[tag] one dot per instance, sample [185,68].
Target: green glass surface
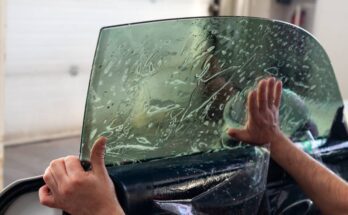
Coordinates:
[172,87]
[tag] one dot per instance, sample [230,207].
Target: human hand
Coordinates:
[262,124]
[78,192]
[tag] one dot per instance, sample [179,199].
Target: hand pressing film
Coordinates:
[263,114]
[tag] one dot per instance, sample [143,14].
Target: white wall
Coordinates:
[50,41]
[2,71]
[331,29]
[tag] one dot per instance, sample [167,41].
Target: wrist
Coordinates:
[111,209]
[278,138]
[119,211]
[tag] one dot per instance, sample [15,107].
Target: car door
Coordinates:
[165,92]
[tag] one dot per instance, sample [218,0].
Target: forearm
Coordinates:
[327,190]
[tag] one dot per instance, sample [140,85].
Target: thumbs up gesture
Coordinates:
[78,192]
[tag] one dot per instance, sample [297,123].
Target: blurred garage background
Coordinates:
[47,48]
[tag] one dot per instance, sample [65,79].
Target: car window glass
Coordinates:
[172,88]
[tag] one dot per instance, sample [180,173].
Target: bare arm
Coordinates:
[327,190]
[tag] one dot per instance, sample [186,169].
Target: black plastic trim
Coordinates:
[18,188]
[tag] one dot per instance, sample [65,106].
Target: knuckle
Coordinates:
[43,200]
[46,176]
[76,181]
[55,162]
[52,162]
[70,158]
[66,191]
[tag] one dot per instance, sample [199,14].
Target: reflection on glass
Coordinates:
[172,88]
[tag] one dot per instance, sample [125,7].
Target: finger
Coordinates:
[73,165]
[261,95]
[45,196]
[278,94]
[49,180]
[240,134]
[98,155]
[58,170]
[270,91]
[253,110]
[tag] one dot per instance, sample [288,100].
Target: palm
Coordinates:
[263,110]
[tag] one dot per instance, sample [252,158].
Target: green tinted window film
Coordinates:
[172,87]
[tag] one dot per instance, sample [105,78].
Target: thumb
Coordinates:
[240,134]
[98,155]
